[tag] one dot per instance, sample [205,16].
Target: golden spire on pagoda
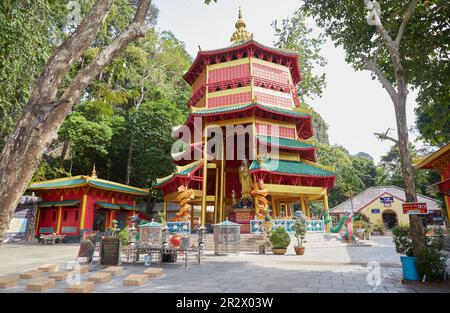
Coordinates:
[94,173]
[241,34]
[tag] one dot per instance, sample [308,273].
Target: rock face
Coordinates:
[135,280]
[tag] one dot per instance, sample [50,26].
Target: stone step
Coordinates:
[41,284]
[30,274]
[114,270]
[59,276]
[154,272]
[48,268]
[9,281]
[135,280]
[83,287]
[100,277]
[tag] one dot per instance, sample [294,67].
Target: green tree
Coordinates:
[394,45]
[29,32]
[53,96]
[294,34]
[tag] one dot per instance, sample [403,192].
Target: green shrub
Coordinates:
[379,228]
[401,236]
[280,238]
[300,231]
[432,264]
[124,236]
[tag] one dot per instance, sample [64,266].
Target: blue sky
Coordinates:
[353,105]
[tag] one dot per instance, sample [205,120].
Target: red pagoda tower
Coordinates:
[251,89]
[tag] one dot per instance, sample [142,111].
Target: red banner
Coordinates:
[415,208]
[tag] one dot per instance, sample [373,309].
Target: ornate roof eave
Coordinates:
[427,161]
[83,180]
[284,57]
[185,172]
[251,107]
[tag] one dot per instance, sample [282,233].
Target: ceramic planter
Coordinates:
[299,250]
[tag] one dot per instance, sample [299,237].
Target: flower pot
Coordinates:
[299,250]
[409,268]
[279,251]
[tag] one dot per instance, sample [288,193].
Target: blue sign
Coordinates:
[386,199]
[375,211]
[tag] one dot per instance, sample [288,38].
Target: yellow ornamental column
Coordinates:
[216,196]
[165,209]
[83,210]
[205,176]
[36,225]
[58,227]
[325,209]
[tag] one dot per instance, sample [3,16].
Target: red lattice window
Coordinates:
[271,73]
[265,98]
[244,97]
[229,73]
[267,130]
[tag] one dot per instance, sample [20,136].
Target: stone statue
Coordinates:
[261,203]
[246,181]
[233,199]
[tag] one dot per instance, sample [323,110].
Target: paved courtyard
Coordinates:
[333,267]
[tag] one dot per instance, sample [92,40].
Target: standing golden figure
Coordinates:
[245,180]
[185,196]
[261,203]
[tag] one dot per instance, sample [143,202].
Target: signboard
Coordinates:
[87,245]
[387,199]
[17,225]
[110,252]
[415,208]
[375,211]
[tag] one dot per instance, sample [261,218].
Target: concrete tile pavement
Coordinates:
[319,272]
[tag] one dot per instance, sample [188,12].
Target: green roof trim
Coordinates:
[77,181]
[115,187]
[289,167]
[187,170]
[128,207]
[232,108]
[107,205]
[285,142]
[58,203]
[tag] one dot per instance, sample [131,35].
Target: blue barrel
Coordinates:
[409,268]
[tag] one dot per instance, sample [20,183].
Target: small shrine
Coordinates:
[73,205]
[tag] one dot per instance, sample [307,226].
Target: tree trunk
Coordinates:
[64,153]
[130,156]
[417,232]
[38,125]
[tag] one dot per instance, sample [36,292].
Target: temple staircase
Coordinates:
[250,242]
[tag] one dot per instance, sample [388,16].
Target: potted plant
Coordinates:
[367,230]
[280,240]
[300,231]
[403,245]
[378,229]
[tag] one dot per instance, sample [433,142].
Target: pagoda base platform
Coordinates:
[243,218]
